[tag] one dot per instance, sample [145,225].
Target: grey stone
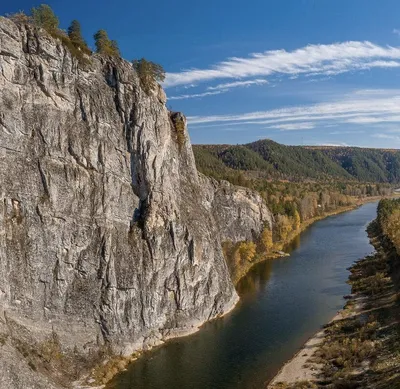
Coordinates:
[108,235]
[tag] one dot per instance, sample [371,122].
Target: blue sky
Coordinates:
[295,71]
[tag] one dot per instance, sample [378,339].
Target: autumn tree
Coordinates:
[247,250]
[104,45]
[266,240]
[44,17]
[283,226]
[149,74]
[392,228]
[296,220]
[308,206]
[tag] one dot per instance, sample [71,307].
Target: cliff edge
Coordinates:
[109,238]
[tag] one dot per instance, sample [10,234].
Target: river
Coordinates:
[283,303]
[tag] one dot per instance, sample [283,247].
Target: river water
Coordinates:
[283,303]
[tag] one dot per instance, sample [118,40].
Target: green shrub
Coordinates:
[44,17]
[104,45]
[75,36]
[20,17]
[149,74]
[179,126]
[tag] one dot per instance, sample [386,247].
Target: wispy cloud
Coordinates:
[218,89]
[343,132]
[373,119]
[396,31]
[387,136]
[311,60]
[197,95]
[294,126]
[236,84]
[355,109]
[353,113]
[333,144]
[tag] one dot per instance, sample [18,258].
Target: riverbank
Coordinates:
[277,250]
[268,323]
[359,347]
[114,365]
[300,369]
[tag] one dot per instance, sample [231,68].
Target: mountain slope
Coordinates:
[275,161]
[377,165]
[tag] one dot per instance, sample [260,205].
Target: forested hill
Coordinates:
[269,159]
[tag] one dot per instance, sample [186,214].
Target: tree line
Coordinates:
[296,163]
[43,17]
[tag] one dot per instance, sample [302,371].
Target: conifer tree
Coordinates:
[115,48]
[149,73]
[75,34]
[104,45]
[44,17]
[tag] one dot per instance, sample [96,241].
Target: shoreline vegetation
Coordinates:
[103,374]
[360,347]
[277,250]
[295,205]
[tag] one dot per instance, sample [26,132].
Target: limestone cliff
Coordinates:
[108,235]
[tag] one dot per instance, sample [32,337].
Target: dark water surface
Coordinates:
[283,303]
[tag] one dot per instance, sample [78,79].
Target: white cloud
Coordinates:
[353,109]
[332,144]
[387,136]
[218,89]
[345,132]
[310,60]
[196,95]
[375,92]
[294,126]
[236,84]
[190,86]
[373,119]
[378,110]
[396,31]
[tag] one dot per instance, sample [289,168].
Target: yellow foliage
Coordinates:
[296,220]
[284,226]
[392,228]
[237,259]
[266,239]
[247,250]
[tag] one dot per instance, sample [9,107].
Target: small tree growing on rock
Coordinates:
[104,45]
[44,17]
[75,36]
[149,74]
[115,48]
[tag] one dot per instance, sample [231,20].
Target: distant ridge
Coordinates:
[272,160]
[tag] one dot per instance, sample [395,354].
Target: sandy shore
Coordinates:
[299,368]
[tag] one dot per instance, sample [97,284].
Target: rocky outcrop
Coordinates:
[240,213]
[108,236]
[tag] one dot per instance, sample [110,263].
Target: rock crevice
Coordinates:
[108,235]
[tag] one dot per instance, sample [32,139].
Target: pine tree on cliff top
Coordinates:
[104,45]
[149,73]
[75,36]
[44,17]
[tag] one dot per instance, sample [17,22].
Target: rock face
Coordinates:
[240,213]
[108,235]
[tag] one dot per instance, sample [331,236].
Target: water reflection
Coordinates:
[283,302]
[255,280]
[294,244]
